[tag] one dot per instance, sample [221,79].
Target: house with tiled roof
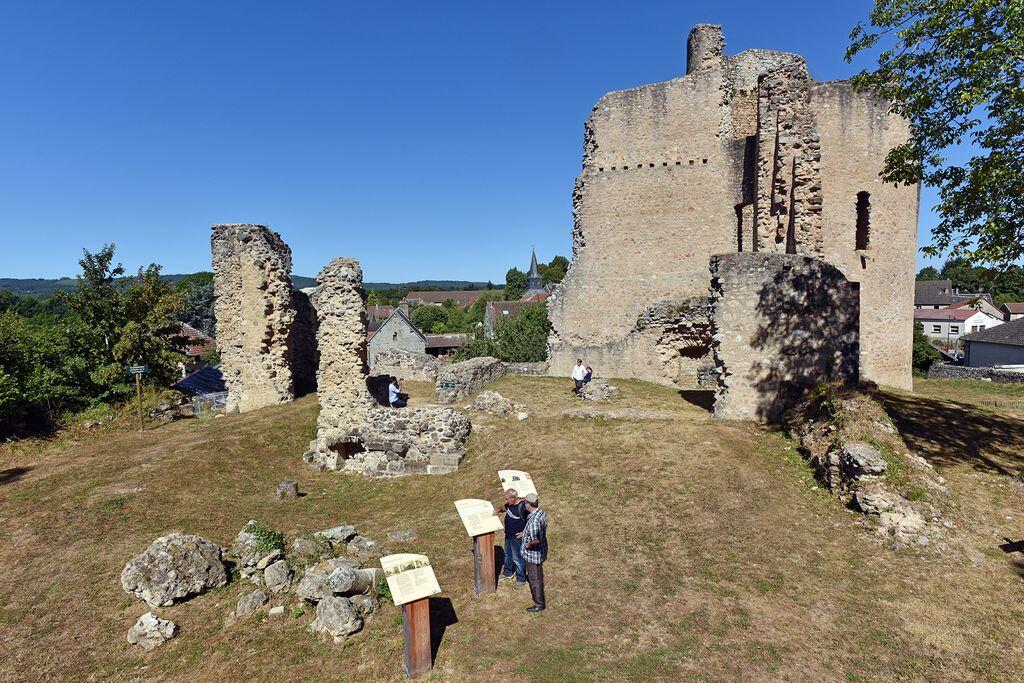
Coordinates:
[979,304]
[934,294]
[1012,310]
[945,326]
[996,346]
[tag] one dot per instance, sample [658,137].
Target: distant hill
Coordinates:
[50,286]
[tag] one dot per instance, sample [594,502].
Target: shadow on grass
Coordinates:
[442,615]
[702,398]
[952,433]
[13,474]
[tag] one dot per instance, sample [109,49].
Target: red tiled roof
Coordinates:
[954,314]
[461,297]
[435,341]
[198,343]
[535,298]
[1014,306]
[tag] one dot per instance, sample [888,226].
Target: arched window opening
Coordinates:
[863,239]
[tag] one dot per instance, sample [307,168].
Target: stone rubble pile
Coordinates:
[494,403]
[598,390]
[324,569]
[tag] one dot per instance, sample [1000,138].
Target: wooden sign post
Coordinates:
[138,371]
[416,629]
[486,581]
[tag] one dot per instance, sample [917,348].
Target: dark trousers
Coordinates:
[535,574]
[514,559]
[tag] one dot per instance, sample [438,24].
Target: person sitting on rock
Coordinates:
[395,396]
[589,376]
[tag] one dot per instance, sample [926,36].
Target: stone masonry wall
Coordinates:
[740,152]
[354,433]
[459,380]
[946,371]
[257,334]
[781,325]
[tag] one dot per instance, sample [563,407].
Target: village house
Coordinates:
[938,294]
[946,326]
[398,332]
[980,304]
[997,346]
[1012,310]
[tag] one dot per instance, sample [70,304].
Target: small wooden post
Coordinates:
[138,392]
[483,564]
[416,629]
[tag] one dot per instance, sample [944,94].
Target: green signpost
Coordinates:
[138,371]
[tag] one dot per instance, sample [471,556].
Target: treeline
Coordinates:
[1003,284]
[71,351]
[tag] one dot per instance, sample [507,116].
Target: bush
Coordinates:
[925,354]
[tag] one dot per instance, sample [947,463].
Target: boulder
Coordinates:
[267,559]
[174,567]
[364,604]
[336,618]
[365,548]
[337,536]
[244,547]
[598,390]
[150,631]
[287,490]
[338,575]
[276,577]
[249,603]
[494,403]
[276,611]
[306,551]
[860,459]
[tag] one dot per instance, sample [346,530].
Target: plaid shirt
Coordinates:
[536,530]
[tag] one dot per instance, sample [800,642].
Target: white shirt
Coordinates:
[392,393]
[579,372]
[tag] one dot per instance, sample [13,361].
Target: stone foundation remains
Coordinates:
[745,153]
[355,432]
[782,324]
[997,375]
[459,380]
[419,367]
[264,328]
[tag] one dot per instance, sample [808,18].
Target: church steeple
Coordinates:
[534,281]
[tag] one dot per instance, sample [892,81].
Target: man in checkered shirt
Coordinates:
[535,549]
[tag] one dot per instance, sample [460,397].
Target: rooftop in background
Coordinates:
[1014,307]
[1011,334]
[946,314]
[933,293]
[198,343]
[446,341]
[462,298]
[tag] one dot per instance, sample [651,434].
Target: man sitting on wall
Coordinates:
[396,399]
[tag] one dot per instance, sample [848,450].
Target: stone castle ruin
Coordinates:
[744,155]
[277,343]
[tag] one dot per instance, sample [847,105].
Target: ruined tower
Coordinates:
[745,153]
[266,347]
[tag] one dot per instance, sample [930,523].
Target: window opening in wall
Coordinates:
[613,168]
[601,169]
[704,161]
[739,227]
[936,329]
[691,162]
[652,165]
[678,163]
[863,238]
[954,329]
[664,163]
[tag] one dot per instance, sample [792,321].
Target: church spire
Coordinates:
[534,281]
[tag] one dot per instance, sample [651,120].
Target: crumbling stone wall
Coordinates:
[741,151]
[782,324]
[459,380]
[355,432]
[265,347]
[404,364]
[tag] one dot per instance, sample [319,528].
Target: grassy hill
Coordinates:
[685,549]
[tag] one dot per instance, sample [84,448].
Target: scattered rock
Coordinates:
[366,548]
[276,577]
[287,490]
[249,603]
[364,604]
[306,551]
[336,617]
[324,579]
[174,567]
[244,546]
[598,390]
[404,536]
[494,403]
[337,536]
[522,416]
[276,611]
[268,558]
[860,459]
[150,631]
[619,414]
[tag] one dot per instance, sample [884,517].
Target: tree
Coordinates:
[554,272]
[425,317]
[925,354]
[515,284]
[197,306]
[928,273]
[955,70]
[523,338]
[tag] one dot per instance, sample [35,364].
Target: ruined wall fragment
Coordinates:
[354,432]
[781,324]
[255,315]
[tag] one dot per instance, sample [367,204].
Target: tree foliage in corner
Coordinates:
[925,354]
[955,70]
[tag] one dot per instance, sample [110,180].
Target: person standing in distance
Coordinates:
[535,550]
[578,374]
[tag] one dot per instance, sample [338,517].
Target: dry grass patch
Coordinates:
[680,550]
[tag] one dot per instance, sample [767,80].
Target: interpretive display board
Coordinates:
[514,479]
[478,516]
[410,577]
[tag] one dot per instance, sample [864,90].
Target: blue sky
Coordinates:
[429,140]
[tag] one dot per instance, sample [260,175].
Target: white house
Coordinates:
[945,326]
